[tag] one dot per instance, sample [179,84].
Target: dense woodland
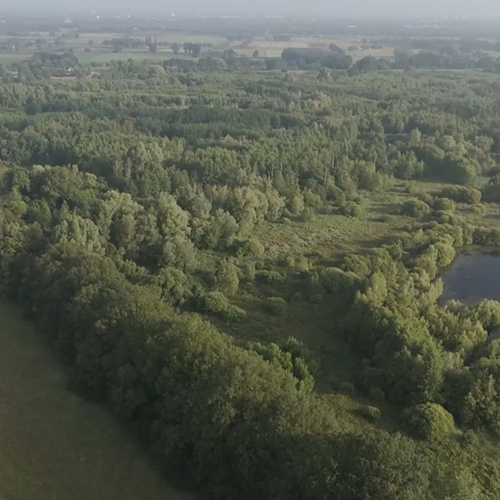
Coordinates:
[132,208]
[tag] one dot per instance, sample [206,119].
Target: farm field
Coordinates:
[214,45]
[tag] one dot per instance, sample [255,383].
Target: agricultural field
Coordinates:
[268,47]
[213,45]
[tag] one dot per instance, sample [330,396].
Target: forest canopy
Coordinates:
[166,224]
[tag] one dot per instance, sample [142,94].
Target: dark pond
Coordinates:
[472,278]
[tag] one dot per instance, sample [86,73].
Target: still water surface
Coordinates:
[472,278]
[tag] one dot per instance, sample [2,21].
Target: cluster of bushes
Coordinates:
[417,353]
[462,194]
[217,304]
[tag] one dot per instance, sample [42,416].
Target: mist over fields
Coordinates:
[356,8]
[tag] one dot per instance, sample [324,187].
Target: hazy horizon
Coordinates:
[354,8]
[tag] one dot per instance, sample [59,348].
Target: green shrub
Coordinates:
[259,263]
[335,280]
[426,198]
[443,204]
[347,388]
[377,394]
[486,237]
[214,303]
[217,304]
[276,306]
[250,248]
[445,254]
[350,209]
[175,286]
[289,261]
[248,272]
[316,298]
[371,413]
[234,314]
[428,421]
[270,277]
[447,217]
[226,277]
[462,194]
[416,208]
[479,209]
[307,214]
[302,263]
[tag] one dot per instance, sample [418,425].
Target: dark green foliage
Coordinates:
[486,237]
[336,280]
[371,413]
[382,473]
[175,286]
[276,306]
[292,357]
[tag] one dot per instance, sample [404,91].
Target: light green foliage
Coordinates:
[443,204]
[445,254]
[251,247]
[216,303]
[248,272]
[351,209]
[302,263]
[416,208]
[455,331]
[82,232]
[428,421]
[307,214]
[479,209]
[462,194]
[296,205]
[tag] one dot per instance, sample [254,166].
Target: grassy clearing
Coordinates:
[54,445]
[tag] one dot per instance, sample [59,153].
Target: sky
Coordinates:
[354,8]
